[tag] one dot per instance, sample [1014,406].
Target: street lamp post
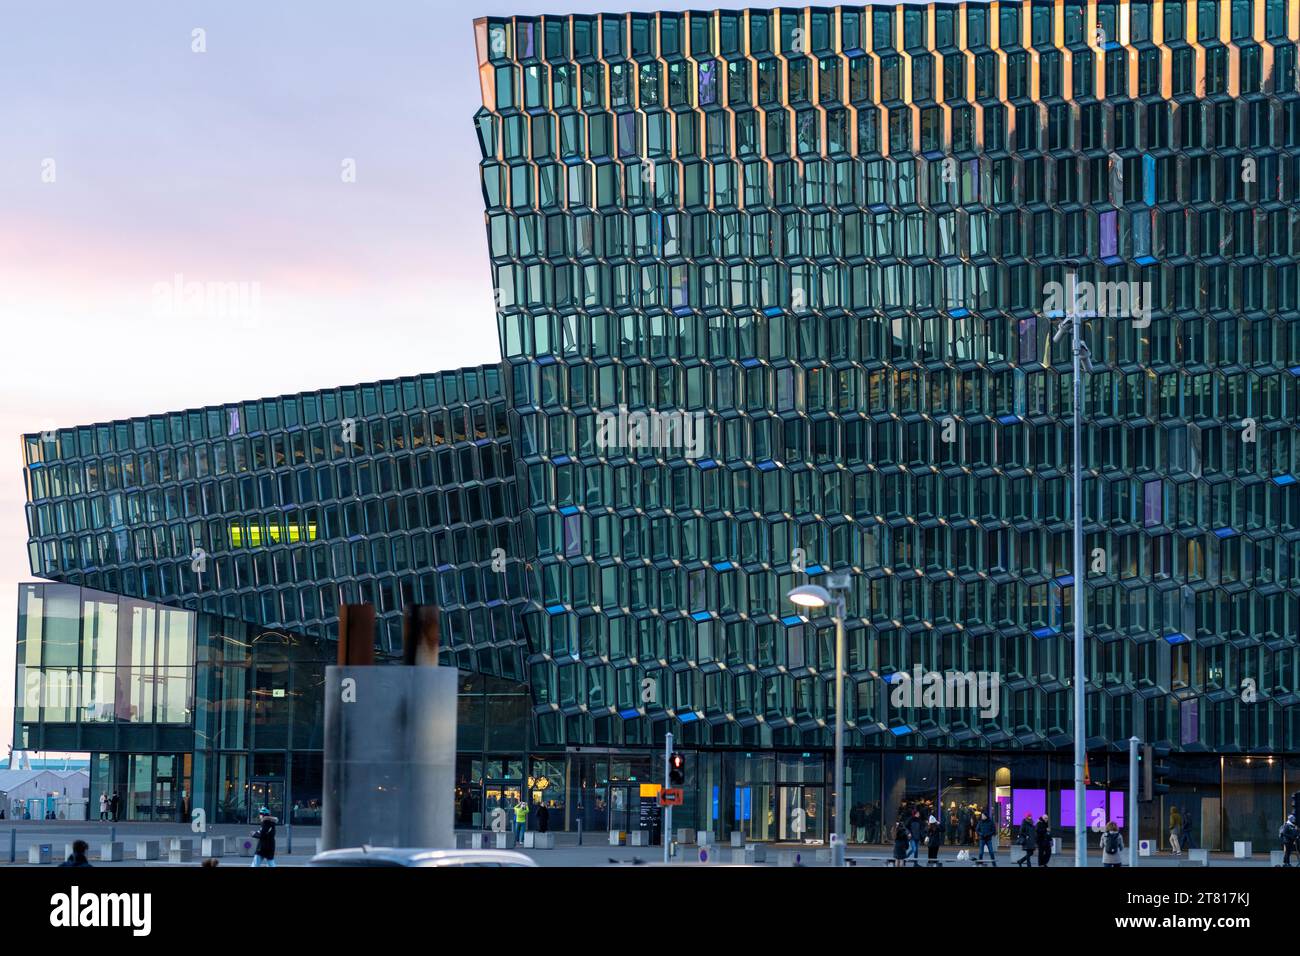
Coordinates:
[812,595]
[1081,363]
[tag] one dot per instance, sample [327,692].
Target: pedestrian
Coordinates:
[858,822]
[264,852]
[114,806]
[543,818]
[1185,835]
[1028,840]
[521,820]
[78,855]
[1175,831]
[103,806]
[1112,845]
[1043,837]
[902,843]
[933,840]
[1289,834]
[987,832]
[916,830]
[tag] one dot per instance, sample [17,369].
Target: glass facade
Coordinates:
[830,237]
[776,297]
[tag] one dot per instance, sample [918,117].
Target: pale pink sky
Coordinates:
[225,166]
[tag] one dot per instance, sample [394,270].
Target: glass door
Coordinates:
[269,794]
[799,814]
[621,807]
[166,792]
[500,795]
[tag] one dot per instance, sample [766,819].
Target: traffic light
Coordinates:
[677,770]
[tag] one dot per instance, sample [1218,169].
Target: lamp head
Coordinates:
[809,595]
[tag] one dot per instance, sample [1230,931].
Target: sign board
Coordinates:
[671,797]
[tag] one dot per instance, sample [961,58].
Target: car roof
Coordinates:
[419,856]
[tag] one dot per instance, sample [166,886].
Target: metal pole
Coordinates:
[837,850]
[13,844]
[667,838]
[1133,801]
[1080,736]
[288,839]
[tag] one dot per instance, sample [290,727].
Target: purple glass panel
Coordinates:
[708,83]
[1152,503]
[1094,803]
[1030,801]
[1109,233]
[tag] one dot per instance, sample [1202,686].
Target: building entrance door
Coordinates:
[799,813]
[266,793]
[623,806]
[500,795]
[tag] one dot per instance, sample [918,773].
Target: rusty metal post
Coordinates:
[356,635]
[420,635]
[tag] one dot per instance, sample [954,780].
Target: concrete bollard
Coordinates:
[539,841]
[478,840]
[180,850]
[755,853]
[686,837]
[1241,849]
[40,853]
[1275,857]
[246,846]
[504,841]
[615,837]
[638,838]
[1198,857]
[737,839]
[213,846]
[704,837]
[146,849]
[112,852]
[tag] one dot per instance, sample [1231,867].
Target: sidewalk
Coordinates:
[594,851]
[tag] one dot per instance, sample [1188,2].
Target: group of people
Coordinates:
[912,831]
[110,807]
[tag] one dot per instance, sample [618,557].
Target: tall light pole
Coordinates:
[1081,363]
[812,595]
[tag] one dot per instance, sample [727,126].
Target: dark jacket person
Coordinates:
[78,857]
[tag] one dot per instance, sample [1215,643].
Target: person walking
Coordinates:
[1043,837]
[916,830]
[1112,845]
[987,833]
[78,855]
[114,806]
[103,806]
[1185,835]
[264,852]
[933,840]
[1175,832]
[1289,834]
[543,818]
[902,843]
[1028,840]
[521,820]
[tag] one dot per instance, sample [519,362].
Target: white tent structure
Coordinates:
[36,794]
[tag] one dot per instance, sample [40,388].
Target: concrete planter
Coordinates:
[213,846]
[180,850]
[112,851]
[40,853]
[146,849]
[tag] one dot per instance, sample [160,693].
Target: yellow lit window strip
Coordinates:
[254,537]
